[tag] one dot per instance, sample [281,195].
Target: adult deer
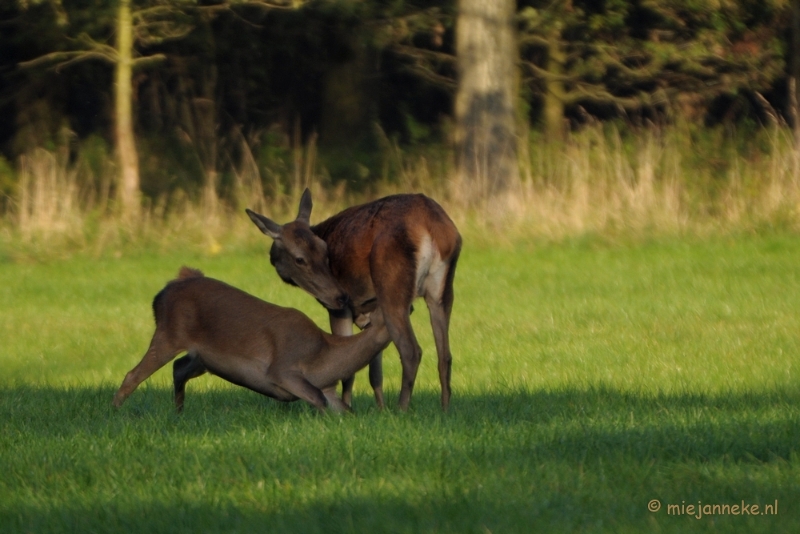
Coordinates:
[278,352]
[382,254]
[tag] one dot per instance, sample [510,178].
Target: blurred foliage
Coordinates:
[251,82]
[651,58]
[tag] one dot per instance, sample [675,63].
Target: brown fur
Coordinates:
[276,351]
[373,252]
[188,272]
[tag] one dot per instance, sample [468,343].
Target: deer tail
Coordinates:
[188,272]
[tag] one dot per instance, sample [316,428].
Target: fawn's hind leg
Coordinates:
[158,354]
[183,370]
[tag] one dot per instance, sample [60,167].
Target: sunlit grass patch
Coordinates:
[589,378]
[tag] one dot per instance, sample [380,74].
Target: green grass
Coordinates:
[589,378]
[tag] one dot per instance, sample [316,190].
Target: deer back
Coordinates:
[219,319]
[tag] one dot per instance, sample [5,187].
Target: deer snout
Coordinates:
[343,301]
[338,303]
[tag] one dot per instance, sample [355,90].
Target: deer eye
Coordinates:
[300,261]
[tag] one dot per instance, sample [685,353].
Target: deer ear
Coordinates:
[266,225]
[304,213]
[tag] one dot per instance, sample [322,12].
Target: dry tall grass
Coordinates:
[599,181]
[655,181]
[48,200]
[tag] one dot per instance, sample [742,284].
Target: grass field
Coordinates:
[590,379]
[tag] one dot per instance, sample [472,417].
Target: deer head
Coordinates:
[300,257]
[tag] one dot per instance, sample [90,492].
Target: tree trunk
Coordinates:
[554,93]
[485,135]
[127,158]
[794,90]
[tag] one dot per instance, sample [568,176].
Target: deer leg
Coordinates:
[158,354]
[183,370]
[440,322]
[297,385]
[395,290]
[342,325]
[334,402]
[399,325]
[376,378]
[440,308]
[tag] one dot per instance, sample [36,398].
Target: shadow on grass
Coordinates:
[569,460]
[356,515]
[562,424]
[435,515]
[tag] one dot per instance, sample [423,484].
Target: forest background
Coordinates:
[552,117]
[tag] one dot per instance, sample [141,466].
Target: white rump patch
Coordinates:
[431,270]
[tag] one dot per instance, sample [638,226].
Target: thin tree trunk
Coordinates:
[127,158]
[485,136]
[555,92]
[794,90]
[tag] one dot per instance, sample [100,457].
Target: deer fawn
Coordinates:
[278,352]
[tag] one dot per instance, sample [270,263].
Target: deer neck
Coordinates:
[348,354]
